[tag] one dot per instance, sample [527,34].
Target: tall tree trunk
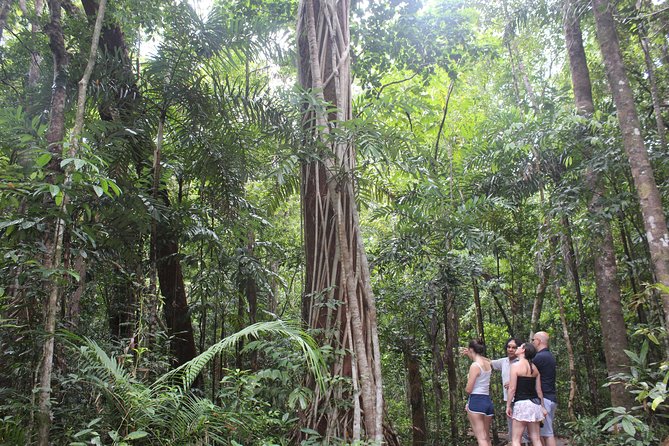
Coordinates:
[479,313]
[652,79]
[337,270]
[416,399]
[251,292]
[642,172]
[571,265]
[450,355]
[35,57]
[4,11]
[542,270]
[73,308]
[437,369]
[608,289]
[167,259]
[628,260]
[573,389]
[54,136]
[173,289]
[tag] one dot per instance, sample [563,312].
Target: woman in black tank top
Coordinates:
[526,396]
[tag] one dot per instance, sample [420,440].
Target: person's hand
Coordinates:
[506,386]
[463,351]
[509,411]
[467,406]
[544,411]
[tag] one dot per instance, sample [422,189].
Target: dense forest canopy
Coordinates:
[277,222]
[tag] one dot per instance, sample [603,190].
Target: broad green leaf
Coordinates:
[114,188]
[94,422]
[98,190]
[656,402]
[628,427]
[53,190]
[5,224]
[135,435]
[82,432]
[43,159]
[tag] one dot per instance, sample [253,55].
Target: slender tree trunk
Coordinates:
[642,172]
[450,352]
[571,265]
[479,312]
[4,11]
[337,270]
[54,136]
[573,388]
[167,257]
[416,399]
[73,308]
[437,370]
[652,80]
[628,261]
[543,272]
[526,80]
[608,289]
[35,57]
[514,75]
[252,298]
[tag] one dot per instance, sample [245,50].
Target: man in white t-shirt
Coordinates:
[504,364]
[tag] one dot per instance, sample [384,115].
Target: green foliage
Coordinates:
[641,425]
[168,412]
[615,426]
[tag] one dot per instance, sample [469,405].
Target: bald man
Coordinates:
[545,362]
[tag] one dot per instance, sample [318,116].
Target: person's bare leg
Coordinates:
[487,422]
[548,441]
[533,433]
[478,427]
[517,432]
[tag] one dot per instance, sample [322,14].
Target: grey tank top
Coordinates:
[482,383]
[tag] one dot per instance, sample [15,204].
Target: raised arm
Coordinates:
[497,363]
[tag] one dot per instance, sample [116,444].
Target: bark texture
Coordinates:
[642,172]
[416,399]
[606,281]
[54,136]
[338,299]
[173,289]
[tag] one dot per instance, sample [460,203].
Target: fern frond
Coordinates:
[188,372]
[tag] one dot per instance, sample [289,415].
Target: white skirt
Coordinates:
[526,410]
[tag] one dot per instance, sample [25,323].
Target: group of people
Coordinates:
[528,375]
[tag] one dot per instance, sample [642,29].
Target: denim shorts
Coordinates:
[480,404]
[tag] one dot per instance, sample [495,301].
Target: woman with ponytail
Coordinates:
[525,404]
[479,405]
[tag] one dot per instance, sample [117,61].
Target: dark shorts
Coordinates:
[480,404]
